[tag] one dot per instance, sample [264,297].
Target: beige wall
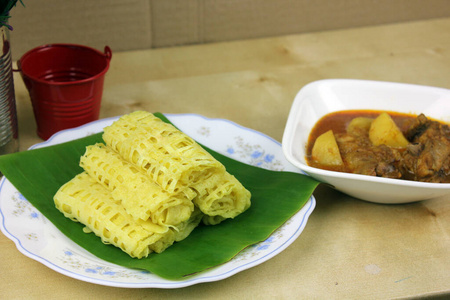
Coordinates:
[141,24]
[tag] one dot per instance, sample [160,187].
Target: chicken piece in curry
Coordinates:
[383,144]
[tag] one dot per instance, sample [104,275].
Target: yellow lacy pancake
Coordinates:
[140,196]
[212,220]
[178,233]
[167,155]
[84,200]
[149,187]
[221,196]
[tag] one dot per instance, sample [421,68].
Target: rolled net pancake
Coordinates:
[167,155]
[136,191]
[220,197]
[149,187]
[178,233]
[212,220]
[84,200]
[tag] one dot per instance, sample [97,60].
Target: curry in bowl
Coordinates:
[381,143]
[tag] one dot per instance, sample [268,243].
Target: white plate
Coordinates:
[321,97]
[37,238]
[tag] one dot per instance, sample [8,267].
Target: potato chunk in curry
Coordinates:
[359,125]
[384,131]
[326,151]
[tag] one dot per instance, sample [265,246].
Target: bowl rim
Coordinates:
[359,177]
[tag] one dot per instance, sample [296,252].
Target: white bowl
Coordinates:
[322,97]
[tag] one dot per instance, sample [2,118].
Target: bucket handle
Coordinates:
[108,53]
[19,67]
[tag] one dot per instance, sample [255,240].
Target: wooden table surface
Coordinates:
[349,248]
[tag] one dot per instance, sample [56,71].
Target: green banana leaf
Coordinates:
[276,196]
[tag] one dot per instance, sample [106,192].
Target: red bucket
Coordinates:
[65,83]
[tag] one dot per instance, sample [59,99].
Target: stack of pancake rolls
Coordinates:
[148,186]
